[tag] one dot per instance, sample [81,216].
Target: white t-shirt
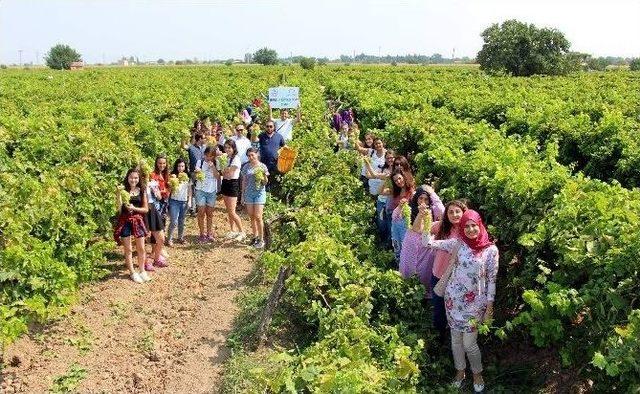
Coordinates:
[210,182]
[235,162]
[377,163]
[181,193]
[242,144]
[285,128]
[152,187]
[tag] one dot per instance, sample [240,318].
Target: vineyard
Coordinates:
[551,162]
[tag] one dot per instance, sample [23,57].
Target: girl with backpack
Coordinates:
[206,177]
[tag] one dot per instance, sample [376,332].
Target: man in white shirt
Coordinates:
[242,143]
[284,125]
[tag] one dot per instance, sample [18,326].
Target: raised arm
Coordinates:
[436,203]
[361,149]
[446,244]
[298,115]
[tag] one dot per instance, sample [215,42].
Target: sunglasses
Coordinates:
[269,127]
[239,129]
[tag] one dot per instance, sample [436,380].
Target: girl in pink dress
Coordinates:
[415,259]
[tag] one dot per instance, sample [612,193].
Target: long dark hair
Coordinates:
[165,173]
[414,203]
[125,181]
[373,137]
[408,181]
[445,225]
[175,166]
[232,144]
[385,165]
[403,163]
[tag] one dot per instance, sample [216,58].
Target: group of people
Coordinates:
[238,167]
[446,243]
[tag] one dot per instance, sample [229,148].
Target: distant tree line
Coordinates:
[512,48]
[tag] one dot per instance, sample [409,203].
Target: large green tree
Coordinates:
[61,56]
[308,63]
[522,49]
[266,56]
[635,65]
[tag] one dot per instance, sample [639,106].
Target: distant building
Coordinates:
[248,58]
[76,66]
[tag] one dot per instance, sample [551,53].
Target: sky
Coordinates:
[105,30]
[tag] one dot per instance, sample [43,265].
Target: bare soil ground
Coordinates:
[164,336]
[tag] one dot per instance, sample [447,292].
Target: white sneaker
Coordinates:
[259,245]
[137,278]
[231,235]
[478,388]
[145,276]
[240,237]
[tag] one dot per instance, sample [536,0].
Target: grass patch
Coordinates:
[70,380]
[146,344]
[245,372]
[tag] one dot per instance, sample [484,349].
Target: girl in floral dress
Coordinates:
[470,292]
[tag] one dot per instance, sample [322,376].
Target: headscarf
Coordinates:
[413,204]
[482,241]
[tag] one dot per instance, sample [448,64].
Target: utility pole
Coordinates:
[37,57]
[20,57]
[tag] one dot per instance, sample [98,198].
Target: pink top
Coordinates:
[441,260]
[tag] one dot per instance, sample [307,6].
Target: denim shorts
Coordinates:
[203,198]
[255,197]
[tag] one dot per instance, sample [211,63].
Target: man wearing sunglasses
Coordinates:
[270,143]
[242,144]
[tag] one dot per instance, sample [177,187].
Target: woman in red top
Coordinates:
[161,174]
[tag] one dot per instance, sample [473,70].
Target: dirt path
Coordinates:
[165,336]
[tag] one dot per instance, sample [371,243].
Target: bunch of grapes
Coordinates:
[174,182]
[125,196]
[353,141]
[260,177]
[199,175]
[223,160]
[406,214]
[145,169]
[427,223]
[183,177]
